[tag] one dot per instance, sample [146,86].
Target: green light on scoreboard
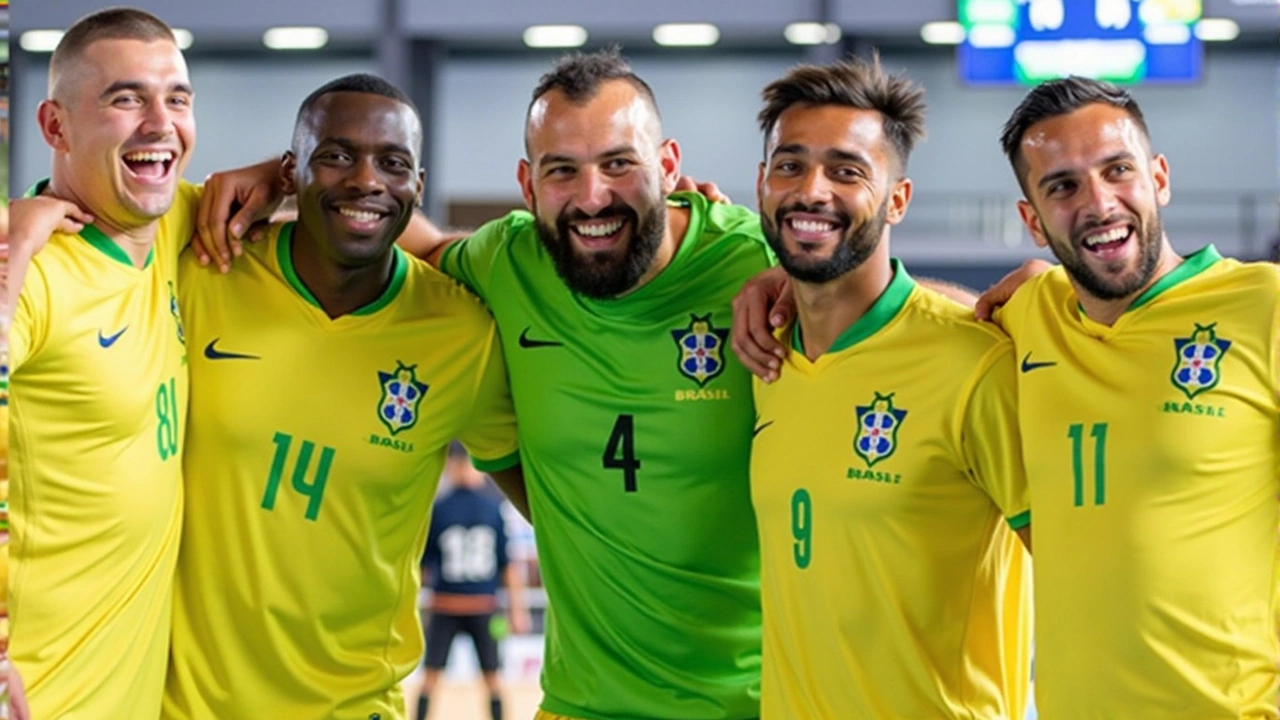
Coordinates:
[988,12]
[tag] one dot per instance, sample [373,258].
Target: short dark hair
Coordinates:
[854,83]
[358,83]
[1061,97]
[115,23]
[580,76]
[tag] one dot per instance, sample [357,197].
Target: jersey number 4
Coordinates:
[620,451]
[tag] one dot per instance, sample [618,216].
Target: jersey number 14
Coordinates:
[313,490]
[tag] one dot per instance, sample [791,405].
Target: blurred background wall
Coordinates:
[469,70]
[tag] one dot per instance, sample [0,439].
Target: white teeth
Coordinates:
[1119,233]
[599,230]
[360,215]
[814,226]
[160,156]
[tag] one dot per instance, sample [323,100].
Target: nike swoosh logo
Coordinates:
[526,342]
[758,428]
[215,354]
[1028,366]
[107,341]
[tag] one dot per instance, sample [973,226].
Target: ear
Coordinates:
[1160,176]
[524,174]
[899,199]
[288,166]
[52,116]
[1031,219]
[669,161]
[420,187]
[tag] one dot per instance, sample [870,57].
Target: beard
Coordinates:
[1148,235]
[611,273]
[853,249]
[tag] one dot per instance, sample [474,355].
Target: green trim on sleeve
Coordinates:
[502,463]
[1019,521]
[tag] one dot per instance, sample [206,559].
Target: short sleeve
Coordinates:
[490,433]
[990,439]
[30,328]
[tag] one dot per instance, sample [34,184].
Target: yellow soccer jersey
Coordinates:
[314,450]
[98,400]
[1152,454]
[885,476]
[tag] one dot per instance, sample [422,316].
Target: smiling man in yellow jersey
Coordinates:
[99,385]
[885,469]
[330,372]
[1149,406]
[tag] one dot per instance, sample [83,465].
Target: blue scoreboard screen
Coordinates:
[1124,41]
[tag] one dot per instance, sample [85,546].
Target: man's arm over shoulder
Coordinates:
[468,257]
[427,241]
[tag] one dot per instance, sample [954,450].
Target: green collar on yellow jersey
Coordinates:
[884,309]
[399,270]
[95,237]
[1193,265]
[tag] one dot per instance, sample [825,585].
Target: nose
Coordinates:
[365,176]
[815,187]
[1101,198]
[595,192]
[157,120]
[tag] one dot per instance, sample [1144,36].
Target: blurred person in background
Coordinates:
[465,560]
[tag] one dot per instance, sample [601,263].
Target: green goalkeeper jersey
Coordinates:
[635,426]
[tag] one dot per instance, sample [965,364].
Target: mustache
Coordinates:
[836,216]
[577,214]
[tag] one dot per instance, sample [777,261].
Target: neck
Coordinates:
[1107,312]
[826,310]
[672,237]
[340,290]
[136,239]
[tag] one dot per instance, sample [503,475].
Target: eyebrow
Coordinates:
[834,153]
[1060,174]
[347,144]
[139,86]
[610,153]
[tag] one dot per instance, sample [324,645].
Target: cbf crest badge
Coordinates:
[1196,368]
[177,318]
[401,396]
[701,349]
[878,425]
